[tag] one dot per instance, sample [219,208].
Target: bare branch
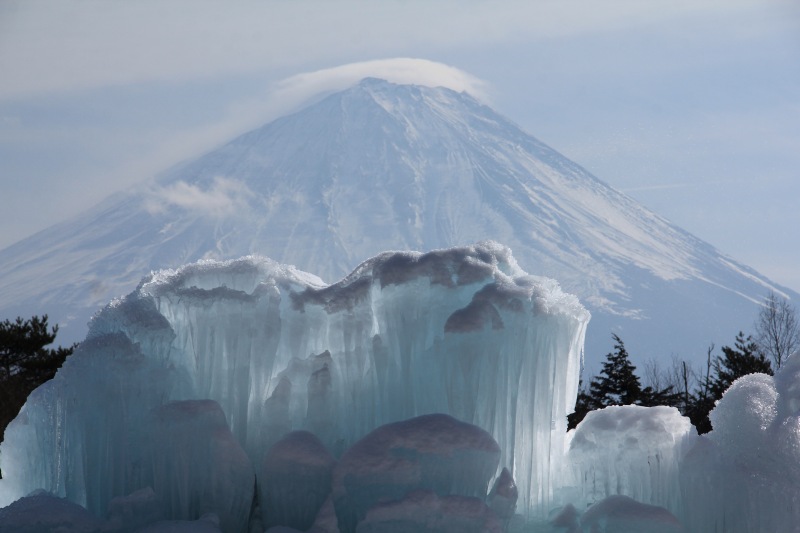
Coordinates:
[777,329]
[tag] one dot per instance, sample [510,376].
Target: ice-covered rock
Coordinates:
[432,452]
[326,520]
[208,523]
[566,519]
[462,331]
[43,512]
[621,514]
[295,480]
[502,498]
[630,450]
[426,512]
[134,511]
[197,467]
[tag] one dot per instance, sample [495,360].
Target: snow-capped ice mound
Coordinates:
[630,450]
[433,452]
[787,381]
[746,472]
[461,331]
[744,412]
[741,477]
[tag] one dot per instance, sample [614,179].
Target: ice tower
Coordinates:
[462,331]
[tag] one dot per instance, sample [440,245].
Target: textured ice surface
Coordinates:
[461,331]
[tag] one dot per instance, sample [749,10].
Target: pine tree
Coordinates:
[583,405]
[744,358]
[25,363]
[617,383]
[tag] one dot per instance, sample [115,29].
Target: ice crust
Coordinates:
[460,331]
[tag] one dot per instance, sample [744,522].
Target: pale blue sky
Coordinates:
[692,107]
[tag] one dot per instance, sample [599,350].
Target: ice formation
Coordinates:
[264,349]
[630,450]
[741,477]
[744,476]
[424,392]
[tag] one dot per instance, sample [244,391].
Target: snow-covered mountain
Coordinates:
[396,167]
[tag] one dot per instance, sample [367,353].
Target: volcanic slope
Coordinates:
[380,167]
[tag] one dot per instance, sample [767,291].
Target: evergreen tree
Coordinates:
[744,358]
[25,363]
[617,383]
[583,405]
[650,397]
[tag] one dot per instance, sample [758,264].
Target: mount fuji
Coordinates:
[381,166]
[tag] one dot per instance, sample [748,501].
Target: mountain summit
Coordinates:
[381,167]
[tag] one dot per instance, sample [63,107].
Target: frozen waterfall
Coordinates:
[463,331]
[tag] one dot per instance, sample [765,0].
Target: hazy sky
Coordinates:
[691,107]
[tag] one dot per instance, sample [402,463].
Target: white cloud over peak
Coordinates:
[402,70]
[286,95]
